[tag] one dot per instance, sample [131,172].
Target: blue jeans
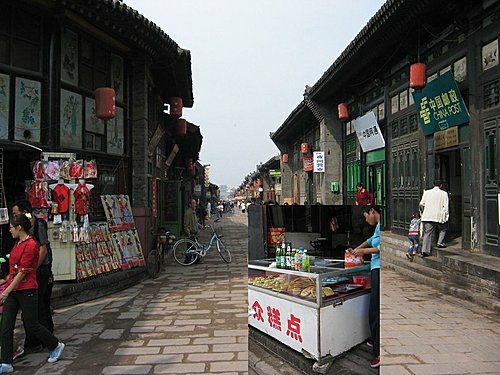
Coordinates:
[27,301]
[414,244]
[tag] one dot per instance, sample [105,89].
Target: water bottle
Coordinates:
[278,256]
[300,259]
[289,257]
[306,267]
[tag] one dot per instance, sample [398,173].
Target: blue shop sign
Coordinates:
[440,105]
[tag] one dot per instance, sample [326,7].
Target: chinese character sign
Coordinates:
[369,135]
[319,161]
[440,105]
[293,324]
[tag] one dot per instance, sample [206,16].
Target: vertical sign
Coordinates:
[319,161]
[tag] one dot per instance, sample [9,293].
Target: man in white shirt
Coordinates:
[435,214]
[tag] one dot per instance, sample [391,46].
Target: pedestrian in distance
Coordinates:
[21,293]
[44,278]
[435,215]
[414,236]
[191,225]
[372,246]
[363,196]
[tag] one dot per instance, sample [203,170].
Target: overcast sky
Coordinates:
[251,61]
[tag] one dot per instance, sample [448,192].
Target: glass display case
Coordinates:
[329,282]
[322,313]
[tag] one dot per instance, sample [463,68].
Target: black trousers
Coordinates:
[45,280]
[27,301]
[374,311]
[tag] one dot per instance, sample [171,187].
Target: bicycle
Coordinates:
[187,250]
[157,257]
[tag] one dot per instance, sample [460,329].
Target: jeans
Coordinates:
[27,301]
[45,280]
[414,244]
[374,311]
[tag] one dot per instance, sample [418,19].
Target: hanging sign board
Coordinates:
[440,105]
[274,173]
[369,135]
[308,163]
[319,161]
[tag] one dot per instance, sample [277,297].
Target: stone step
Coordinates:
[472,276]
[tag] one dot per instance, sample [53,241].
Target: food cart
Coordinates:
[321,314]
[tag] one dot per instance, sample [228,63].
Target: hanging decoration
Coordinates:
[343,111]
[175,107]
[105,103]
[418,75]
[181,127]
[304,148]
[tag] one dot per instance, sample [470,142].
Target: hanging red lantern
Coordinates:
[105,103]
[175,106]
[304,148]
[418,75]
[343,111]
[181,127]
[284,158]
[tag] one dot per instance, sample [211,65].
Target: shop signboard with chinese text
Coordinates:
[292,324]
[308,163]
[440,105]
[319,161]
[369,135]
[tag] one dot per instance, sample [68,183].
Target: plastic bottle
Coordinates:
[306,267]
[278,256]
[300,259]
[289,257]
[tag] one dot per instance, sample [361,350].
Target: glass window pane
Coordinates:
[26,55]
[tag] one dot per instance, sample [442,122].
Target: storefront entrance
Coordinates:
[448,168]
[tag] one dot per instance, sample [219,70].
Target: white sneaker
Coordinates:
[6,368]
[56,353]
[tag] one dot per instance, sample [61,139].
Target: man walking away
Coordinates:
[435,215]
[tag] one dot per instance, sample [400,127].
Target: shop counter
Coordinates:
[321,314]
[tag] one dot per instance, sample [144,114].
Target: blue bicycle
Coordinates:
[186,250]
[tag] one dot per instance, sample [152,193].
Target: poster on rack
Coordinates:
[118,212]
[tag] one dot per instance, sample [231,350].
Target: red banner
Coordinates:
[308,163]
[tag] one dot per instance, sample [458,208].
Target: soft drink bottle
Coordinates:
[278,255]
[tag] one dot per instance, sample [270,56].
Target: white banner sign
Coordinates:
[369,134]
[319,161]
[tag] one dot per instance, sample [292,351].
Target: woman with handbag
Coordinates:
[21,293]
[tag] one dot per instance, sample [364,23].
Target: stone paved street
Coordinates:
[425,332]
[189,320]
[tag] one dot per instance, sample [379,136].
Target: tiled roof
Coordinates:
[133,29]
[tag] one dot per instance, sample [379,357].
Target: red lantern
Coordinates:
[105,103]
[284,158]
[181,127]
[343,111]
[175,107]
[418,76]
[304,148]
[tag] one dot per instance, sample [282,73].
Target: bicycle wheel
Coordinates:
[153,264]
[185,252]
[223,251]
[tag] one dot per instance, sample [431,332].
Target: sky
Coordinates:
[251,61]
